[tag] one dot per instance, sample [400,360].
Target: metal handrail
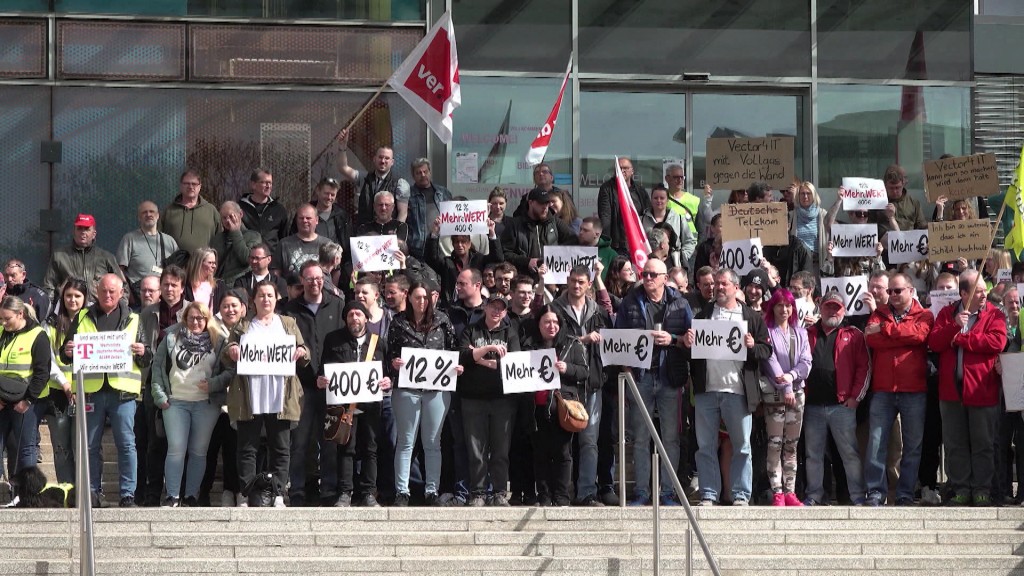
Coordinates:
[87,553]
[627,378]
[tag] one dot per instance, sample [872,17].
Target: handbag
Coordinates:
[769,393]
[13,389]
[572,414]
[339,419]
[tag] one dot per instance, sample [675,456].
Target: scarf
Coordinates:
[807,226]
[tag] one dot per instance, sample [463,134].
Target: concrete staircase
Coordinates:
[819,541]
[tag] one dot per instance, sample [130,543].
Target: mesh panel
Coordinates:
[292,54]
[22,49]
[120,51]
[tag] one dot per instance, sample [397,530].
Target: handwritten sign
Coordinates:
[742,256]
[734,163]
[864,194]
[632,348]
[1004,275]
[961,177]
[854,240]
[719,340]
[766,221]
[804,308]
[939,299]
[906,247]
[463,218]
[424,369]
[353,382]
[852,289]
[1013,380]
[968,239]
[529,371]
[374,253]
[266,355]
[561,259]
[97,352]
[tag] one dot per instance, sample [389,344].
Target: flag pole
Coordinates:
[995,229]
[352,121]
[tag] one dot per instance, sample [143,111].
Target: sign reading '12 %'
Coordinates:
[424,369]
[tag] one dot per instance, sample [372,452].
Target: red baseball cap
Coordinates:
[85,221]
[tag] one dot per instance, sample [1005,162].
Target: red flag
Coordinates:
[911,141]
[493,166]
[636,238]
[540,144]
[429,78]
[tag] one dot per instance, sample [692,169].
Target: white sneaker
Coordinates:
[930,497]
[279,502]
[241,501]
[227,499]
[13,503]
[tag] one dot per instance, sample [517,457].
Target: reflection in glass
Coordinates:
[379,11]
[524,35]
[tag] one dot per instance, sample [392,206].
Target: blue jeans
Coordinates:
[107,403]
[23,430]
[189,427]
[911,407]
[420,411]
[586,483]
[842,423]
[655,393]
[710,410]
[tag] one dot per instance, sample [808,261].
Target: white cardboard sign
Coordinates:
[529,371]
[939,299]
[425,369]
[353,382]
[906,247]
[1013,380]
[266,355]
[854,240]
[374,253]
[561,259]
[864,194]
[97,352]
[719,340]
[852,289]
[463,218]
[633,348]
[804,308]
[742,256]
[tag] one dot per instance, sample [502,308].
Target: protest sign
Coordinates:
[96,352]
[804,309]
[719,340]
[734,163]
[968,239]
[906,247]
[353,382]
[266,355]
[854,240]
[766,221]
[1013,380]
[741,256]
[374,253]
[852,289]
[632,348]
[1004,275]
[424,369]
[864,194]
[1020,293]
[939,299]
[529,371]
[961,177]
[561,259]
[463,218]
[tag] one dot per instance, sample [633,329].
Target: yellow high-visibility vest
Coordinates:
[16,357]
[128,381]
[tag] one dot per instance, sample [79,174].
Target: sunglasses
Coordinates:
[652,274]
[896,291]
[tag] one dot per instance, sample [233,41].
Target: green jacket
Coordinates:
[233,253]
[88,264]
[191,228]
[238,404]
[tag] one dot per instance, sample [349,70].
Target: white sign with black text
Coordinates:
[561,259]
[719,340]
[633,348]
[97,352]
[463,218]
[742,256]
[864,194]
[266,355]
[529,371]
[906,247]
[1013,380]
[374,253]
[854,240]
[939,299]
[353,382]
[852,289]
[424,369]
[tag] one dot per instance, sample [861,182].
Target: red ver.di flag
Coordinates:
[429,78]
[540,144]
[636,238]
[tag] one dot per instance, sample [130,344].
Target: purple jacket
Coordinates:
[778,363]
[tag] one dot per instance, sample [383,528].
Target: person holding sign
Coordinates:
[786,369]
[487,414]
[552,444]
[111,394]
[418,411]
[185,388]
[523,243]
[902,207]
[727,391]
[354,343]
[25,360]
[463,256]
[260,403]
[384,222]
[662,310]
[968,337]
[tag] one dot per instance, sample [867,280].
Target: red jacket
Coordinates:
[899,353]
[853,363]
[981,347]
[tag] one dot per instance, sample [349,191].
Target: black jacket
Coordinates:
[789,259]
[314,329]
[270,220]
[449,268]
[340,347]
[569,350]
[594,319]
[668,360]
[461,317]
[440,336]
[526,233]
[32,295]
[480,382]
[611,216]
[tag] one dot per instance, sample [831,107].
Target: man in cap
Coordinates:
[756,288]
[82,259]
[523,242]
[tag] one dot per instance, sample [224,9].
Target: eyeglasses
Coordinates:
[674,176]
[646,274]
[196,319]
[896,291]
[328,181]
[191,184]
[317,280]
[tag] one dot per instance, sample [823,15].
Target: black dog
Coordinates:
[33,491]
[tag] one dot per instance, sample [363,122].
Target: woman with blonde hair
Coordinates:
[201,284]
[808,223]
[25,365]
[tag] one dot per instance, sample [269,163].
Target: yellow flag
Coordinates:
[1013,200]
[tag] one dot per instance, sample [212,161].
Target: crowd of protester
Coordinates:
[827,406]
